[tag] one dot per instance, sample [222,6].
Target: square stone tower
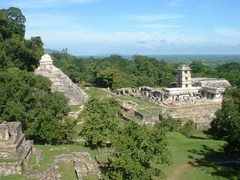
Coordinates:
[184,77]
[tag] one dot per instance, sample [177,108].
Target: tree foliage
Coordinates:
[136,150]
[187,128]
[201,70]
[15,51]
[117,72]
[226,125]
[231,72]
[27,98]
[100,121]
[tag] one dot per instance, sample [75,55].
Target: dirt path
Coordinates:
[178,171]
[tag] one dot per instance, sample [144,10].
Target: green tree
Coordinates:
[27,98]
[12,22]
[15,51]
[201,70]
[187,128]
[170,124]
[231,72]
[226,125]
[101,121]
[136,150]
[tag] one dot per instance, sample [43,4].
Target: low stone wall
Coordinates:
[8,168]
[201,114]
[126,118]
[139,115]
[51,173]
[80,159]
[148,118]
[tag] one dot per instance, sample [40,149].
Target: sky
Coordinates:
[128,27]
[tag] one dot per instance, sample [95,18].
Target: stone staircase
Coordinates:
[62,83]
[7,150]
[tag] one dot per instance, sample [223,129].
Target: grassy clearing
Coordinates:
[51,151]
[67,171]
[9,160]
[32,160]
[142,104]
[90,177]
[93,91]
[13,177]
[201,151]
[74,108]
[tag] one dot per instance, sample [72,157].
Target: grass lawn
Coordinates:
[13,177]
[67,171]
[193,158]
[142,104]
[74,108]
[94,91]
[50,151]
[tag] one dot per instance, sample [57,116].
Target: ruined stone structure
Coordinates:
[60,81]
[194,99]
[82,162]
[13,147]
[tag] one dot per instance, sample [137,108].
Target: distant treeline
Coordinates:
[116,71]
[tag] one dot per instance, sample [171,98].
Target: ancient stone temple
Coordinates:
[15,150]
[60,81]
[194,99]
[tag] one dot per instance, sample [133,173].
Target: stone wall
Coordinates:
[201,114]
[148,118]
[13,146]
[8,168]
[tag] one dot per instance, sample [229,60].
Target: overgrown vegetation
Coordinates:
[15,51]
[115,71]
[24,96]
[226,125]
[132,147]
[175,125]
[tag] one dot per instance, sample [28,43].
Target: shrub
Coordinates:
[187,128]
[170,124]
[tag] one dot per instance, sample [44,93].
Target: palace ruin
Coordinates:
[194,99]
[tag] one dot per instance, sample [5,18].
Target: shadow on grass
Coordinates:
[197,137]
[216,163]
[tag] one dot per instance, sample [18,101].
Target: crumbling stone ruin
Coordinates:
[60,81]
[82,162]
[194,99]
[15,150]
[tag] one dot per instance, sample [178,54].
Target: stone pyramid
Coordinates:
[60,81]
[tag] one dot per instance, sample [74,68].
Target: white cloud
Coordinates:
[153,17]
[177,2]
[228,32]
[158,26]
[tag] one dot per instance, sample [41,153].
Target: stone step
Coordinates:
[6,145]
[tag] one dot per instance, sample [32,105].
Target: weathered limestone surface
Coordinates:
[60,81]
[202,114]
[14,147]
[8,168]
